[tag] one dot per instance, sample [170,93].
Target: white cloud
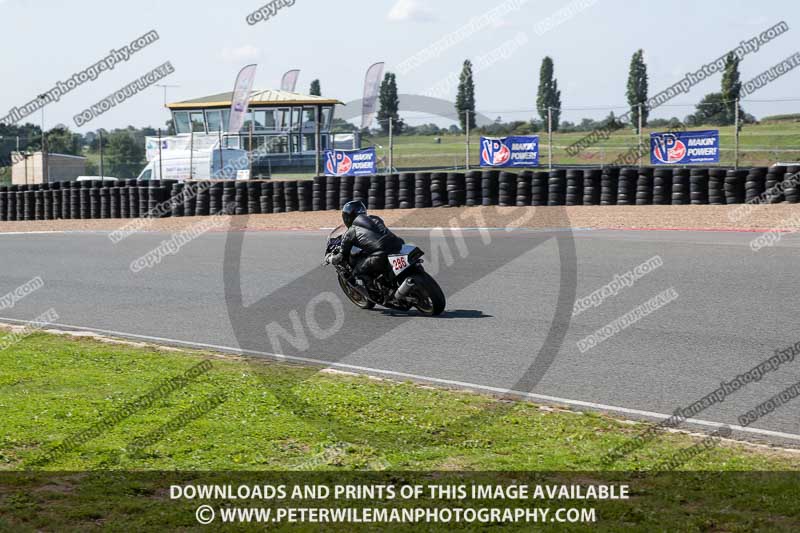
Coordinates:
[413,10]
[247,52]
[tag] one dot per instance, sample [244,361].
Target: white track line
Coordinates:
[54,232]
[417,377]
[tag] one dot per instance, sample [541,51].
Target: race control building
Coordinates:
[290,129]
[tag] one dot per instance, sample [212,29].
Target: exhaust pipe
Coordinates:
[404,290]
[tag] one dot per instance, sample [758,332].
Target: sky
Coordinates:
[207,42]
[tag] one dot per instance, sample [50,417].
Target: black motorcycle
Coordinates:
[403,284]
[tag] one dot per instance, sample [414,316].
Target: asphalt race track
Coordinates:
[507,325]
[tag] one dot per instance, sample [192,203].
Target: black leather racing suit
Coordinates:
[371,235]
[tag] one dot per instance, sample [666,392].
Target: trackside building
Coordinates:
[286,129]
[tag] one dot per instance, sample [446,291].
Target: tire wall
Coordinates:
[406,190]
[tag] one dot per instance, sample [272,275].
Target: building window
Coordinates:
[295,141]
[265,120]
[214,119]
[327,116]
[284,119]
[248,119]
[198,121]
[260,119]
[181,119]
[277,144]
[231,141]
[296,112]
[309,142]
[226,119]
[309,119]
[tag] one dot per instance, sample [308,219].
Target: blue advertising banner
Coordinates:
[350,162]
[516,151]
[684,147]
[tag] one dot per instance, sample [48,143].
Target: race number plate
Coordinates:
[398,262]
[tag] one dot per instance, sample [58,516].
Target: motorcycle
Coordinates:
[403,284]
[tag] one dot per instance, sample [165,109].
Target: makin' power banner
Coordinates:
[350,162]
[684,147]
[516,151]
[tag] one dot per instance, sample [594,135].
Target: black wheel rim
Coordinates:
[425,302]
[355,296]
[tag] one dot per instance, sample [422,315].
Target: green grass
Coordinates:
[280,417]
[760,144]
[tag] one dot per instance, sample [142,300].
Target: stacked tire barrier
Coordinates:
[774,182]
[592,187]
[609,186]
[422,189]
[574,190]
[376,193]
[472,188]
[698,186]
[644,186]
[407,190]
[489,187]
[626,187]
[557,185]
[716,186]
[524,188]
[790,184]
[680,186]
[540,188]
[755,186]
[507,189]
[662,186]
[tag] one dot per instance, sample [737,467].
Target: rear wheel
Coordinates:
[430,298]
[354,296]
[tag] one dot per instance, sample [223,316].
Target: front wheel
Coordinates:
[430,298]
[353,295]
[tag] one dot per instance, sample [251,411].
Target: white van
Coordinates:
[206,164]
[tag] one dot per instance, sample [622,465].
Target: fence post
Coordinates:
[641,144]
[736,137]
[317,142]
[550,138]
[191,154]
[160,164]
[466,112]
[221,163]
[391,146]
[101,153]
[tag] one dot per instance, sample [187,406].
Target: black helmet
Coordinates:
[351,210]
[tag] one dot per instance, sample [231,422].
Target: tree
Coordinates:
[731,88]
[711,110]
[389,105]
[637,89]
[62,141]
[611,121]
[124,155]
[465,100]
[315,89]
[549,97]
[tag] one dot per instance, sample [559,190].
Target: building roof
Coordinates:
[260,97]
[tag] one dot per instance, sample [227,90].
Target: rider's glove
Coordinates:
[337,259]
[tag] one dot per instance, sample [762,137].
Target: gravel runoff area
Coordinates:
[697,217]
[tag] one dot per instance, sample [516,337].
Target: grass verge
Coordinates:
[234,416]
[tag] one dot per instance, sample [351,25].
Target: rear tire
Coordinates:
[354,296]
[428,288]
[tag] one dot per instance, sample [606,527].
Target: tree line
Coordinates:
[716,109]
[123,148]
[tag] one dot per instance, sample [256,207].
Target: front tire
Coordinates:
[431,296]
[354,296]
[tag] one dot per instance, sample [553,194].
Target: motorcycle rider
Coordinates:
[369,233]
